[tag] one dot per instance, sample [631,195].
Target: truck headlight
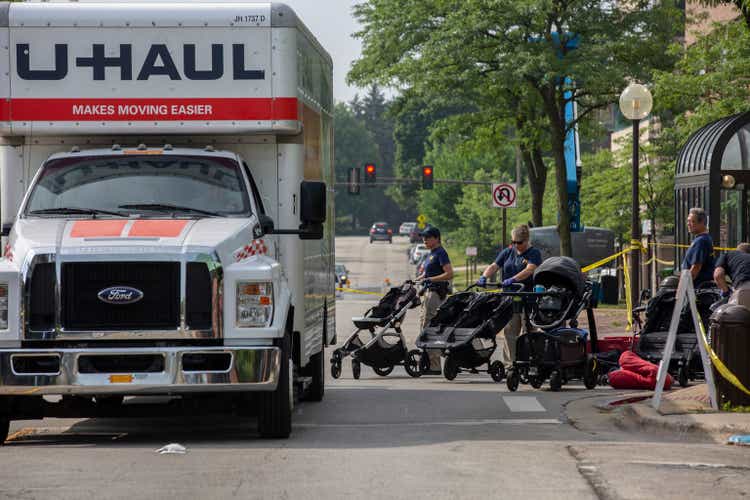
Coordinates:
[3,306]
[254,304]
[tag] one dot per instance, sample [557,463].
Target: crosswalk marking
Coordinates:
[523,404]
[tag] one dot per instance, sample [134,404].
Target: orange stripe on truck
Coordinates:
[157,228]
[97,228]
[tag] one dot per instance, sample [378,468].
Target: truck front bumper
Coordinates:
[172,370]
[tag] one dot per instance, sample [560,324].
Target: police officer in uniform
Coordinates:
[437,275]
[736,265]
[518,263]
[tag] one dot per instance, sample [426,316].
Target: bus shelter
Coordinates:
[713,172]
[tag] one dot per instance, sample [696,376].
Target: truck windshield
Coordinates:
[143,184]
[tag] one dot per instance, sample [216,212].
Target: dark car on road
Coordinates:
[381,231]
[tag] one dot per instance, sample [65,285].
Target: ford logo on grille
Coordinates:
[120,295]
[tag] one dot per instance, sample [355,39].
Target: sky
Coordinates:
[332,23]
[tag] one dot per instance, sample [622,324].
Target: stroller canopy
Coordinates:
[561,272]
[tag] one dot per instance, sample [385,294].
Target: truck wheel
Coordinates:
[318,385]
[275,413]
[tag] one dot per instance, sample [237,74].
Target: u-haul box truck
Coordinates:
[165,171]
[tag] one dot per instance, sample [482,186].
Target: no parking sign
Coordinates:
[504,195]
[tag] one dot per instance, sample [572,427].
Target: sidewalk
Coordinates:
[684,412]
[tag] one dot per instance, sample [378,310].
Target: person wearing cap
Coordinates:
[736,265]
[436,277]
[517,263]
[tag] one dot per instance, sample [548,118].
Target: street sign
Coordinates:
[421,221]
[471,251]
[504,195]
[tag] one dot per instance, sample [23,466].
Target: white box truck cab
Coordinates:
[165,171]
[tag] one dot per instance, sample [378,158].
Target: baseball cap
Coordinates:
[430,232]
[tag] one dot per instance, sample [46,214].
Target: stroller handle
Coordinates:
[515,287]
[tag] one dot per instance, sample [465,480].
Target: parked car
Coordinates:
[419,250]
[381,231]
[342,275]
[406,228]
[415,235]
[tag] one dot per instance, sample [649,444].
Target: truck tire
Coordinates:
[275,412]
[318,385]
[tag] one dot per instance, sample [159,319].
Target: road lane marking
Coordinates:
[523,404]
[457,423]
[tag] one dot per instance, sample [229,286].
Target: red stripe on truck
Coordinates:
[160,228]
[151,109]
[97,228]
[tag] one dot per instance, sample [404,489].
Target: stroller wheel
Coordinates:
[513,380]
[591,372]
[682,376]
[383,372]
[356,369]
[336,364]
[536,381]
[450,368]
[497,371]
[424,362]
[555,380]
[413,363]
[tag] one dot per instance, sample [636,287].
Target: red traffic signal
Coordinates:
[370,173]
[427,172]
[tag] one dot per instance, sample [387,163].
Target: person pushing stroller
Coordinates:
[436,278]
[518,263]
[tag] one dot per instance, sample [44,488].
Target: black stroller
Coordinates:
[385,348]
[685,363]
[554,347]
[464,330]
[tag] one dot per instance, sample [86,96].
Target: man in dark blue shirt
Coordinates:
[699,258]
[437,275]
[517,263]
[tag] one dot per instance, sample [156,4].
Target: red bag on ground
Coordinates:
[636,373]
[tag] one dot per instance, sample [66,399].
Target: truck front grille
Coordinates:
[159,309]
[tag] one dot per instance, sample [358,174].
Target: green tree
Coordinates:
[517,50]
[353,142]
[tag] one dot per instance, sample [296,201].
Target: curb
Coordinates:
[644,416]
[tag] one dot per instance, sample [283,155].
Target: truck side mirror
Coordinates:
[6,229]
[312,209]
[312,202]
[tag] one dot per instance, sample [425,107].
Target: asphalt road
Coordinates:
[393,437]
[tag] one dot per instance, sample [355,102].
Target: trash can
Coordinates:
[610,293]
[730,340]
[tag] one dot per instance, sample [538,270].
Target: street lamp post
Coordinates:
[635,105]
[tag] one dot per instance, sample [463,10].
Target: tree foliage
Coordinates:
[516,50]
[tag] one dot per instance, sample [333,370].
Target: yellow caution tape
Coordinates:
[720,366]
[680,245]
[628,299]
[361,292]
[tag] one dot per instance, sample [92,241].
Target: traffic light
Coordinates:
[370,173]
[354,176]
[427,172]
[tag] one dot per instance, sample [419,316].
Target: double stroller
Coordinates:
[685,363]
[384,346]
[554,348]
[463,331]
